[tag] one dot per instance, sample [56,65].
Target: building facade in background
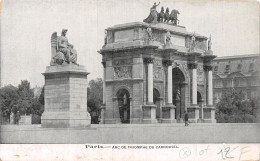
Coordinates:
[240,72]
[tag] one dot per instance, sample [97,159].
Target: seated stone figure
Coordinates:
[62,51]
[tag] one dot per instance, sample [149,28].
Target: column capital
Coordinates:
[103,63]
[167,62]
[207,67]
[149,60]
[192,65]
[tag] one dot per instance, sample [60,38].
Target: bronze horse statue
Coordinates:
[174,17]
[166,15]
[160,15]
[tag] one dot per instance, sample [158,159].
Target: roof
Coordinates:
[160,26]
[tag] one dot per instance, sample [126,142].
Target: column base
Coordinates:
[149,114]
[102,119]
[135,121]
[194,111]
[149,121]
[168,114]
[110,121]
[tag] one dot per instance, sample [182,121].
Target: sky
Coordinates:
[27,25]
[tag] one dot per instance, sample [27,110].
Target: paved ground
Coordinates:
[134,134]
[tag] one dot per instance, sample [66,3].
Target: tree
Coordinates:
[234,108]
[26,97]
[8,100]
[95,96]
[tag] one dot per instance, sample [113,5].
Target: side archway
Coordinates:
[123,99]
[156,101]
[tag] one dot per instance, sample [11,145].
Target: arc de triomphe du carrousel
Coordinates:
[156,70]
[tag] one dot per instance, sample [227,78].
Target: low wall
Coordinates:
[134,134]
[25,120]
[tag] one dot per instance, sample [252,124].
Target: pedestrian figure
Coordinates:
[186,117]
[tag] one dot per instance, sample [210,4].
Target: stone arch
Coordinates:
[122,87]
[179,91]
[184,70]
[235,74]
[215,76]
[156,101]
[123,102]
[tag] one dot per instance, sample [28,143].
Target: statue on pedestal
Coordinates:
[62,50]
[168,42]
[149,33]
[178,95]
[209,43]
[192,42]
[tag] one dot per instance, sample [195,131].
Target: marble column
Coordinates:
[210,88]
[208,69]
[169,85]
[168,111]
[149,110]
[149,62]
[193,66]
[104,95]
[194,103]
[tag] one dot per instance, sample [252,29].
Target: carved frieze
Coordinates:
[148,60]
[122,72]
[207,67]
[200,75]
[167,63]
[192,65]
[157,73]
[122,68]
[120,62]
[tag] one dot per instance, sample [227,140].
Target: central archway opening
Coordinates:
[178,92]
[123,98]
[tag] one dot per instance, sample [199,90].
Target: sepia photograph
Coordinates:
[179,79]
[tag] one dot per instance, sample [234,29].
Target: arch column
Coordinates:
[208,70]
[168,111]
[194,83]
[103,106]
[149,110]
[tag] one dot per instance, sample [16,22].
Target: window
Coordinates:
[239,67]
[216,69]
[251,67]
[227,69]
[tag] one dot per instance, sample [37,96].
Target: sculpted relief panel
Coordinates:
[157,69]
[122,68]
[200,75]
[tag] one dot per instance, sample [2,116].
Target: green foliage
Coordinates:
[95,94]
[8,100]
[26,97]
[233,108]
[13,99]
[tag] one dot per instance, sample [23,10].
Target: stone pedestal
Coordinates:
[25,120]
[65,97]
[149,114]
[102,118]
[196,110]
[168,114]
